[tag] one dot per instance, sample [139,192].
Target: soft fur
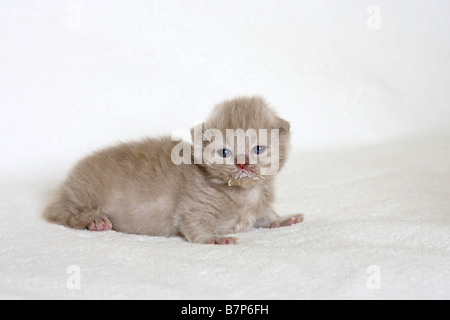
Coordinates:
[136,188]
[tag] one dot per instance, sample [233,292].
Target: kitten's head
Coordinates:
[243,142]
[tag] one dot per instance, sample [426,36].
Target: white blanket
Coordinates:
[79,75]
[377,226]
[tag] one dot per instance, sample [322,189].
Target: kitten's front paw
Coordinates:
[288,222]
[224,240]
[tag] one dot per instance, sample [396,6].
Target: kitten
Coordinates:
[221,187]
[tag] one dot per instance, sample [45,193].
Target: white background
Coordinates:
[79,75]
[369,110]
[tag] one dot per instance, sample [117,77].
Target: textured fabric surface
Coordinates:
[365,82]
[377,226]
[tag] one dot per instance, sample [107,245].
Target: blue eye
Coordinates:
[224,153]
[259,149]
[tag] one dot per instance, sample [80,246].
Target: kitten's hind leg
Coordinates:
[100,224]
[61,213]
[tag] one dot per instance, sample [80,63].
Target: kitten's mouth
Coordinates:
[243,174]
[244,178]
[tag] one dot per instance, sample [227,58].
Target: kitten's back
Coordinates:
[134,170]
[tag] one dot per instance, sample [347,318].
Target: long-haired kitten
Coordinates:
[223,183]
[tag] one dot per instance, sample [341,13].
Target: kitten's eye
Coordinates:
[259,149]
[224,153]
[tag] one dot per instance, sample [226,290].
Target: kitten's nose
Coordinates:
[242,161]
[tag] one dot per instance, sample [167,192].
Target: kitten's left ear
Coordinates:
[283,126]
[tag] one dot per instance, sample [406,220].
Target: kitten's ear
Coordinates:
[283,126]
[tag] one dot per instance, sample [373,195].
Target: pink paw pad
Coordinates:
[225,240]
[100,224]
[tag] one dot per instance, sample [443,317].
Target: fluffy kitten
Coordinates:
[138,187]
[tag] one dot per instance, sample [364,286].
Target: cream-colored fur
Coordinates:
[140,190]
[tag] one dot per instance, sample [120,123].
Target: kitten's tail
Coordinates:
[59,213]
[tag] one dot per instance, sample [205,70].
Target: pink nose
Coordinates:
[242,166]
